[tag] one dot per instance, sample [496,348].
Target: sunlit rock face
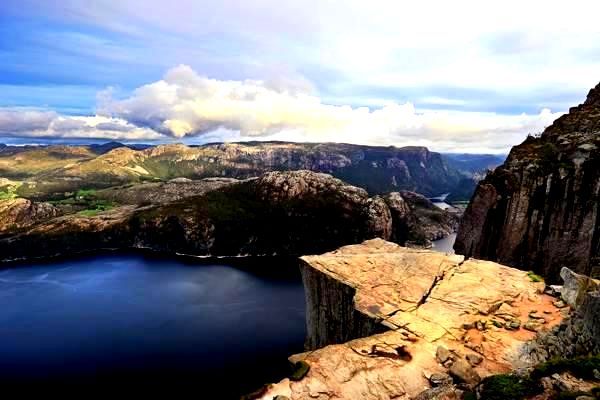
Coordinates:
[16,214]
[540,210]
[443,316]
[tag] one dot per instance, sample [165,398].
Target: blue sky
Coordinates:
[454,76]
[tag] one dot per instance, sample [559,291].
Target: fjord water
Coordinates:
[139,322]
[445,245]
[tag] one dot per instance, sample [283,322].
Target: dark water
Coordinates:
[129,322]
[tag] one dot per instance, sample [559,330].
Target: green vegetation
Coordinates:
[513,387]
[301,368]
[85,193]
[504,387]
[581,367]
[84,202]
[534,277]
[9,192]
[95,207]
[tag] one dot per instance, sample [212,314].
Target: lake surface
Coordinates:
[445,245]
[148,324]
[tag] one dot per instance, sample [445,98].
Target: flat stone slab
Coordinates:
[426,299]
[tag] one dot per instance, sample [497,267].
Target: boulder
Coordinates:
[440,393]
[463,372]
[576,286]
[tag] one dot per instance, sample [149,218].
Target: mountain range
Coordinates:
[57,171]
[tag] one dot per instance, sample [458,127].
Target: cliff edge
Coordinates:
[395,321]
[539,211]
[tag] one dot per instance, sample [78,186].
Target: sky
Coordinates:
[455,76]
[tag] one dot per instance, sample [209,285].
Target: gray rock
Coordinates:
[553,290]
[440,393]
[513,325]
[559,304]
[576,286]
[474,359]
[440,379]
[463,372]
[532,326]
[443,354]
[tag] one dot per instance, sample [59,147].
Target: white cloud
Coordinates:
[187,104]
[16,122]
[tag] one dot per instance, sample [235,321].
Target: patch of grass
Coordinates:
[581,367]
[300,369]
[504,387]
[85,193]
[95,207]
[534,277]
[9,192]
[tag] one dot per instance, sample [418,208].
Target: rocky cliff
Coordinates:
[16,214]
[540,210]
[578,335]
[50,171]
[283,213]
[446,321]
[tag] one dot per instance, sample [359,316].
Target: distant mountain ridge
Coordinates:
[62,168]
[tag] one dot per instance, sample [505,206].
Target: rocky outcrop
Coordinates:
[540,210]
[416,220]
[447,320]
[284,213]
[17,214]
[578,335]
[280,213]
[58,169]
[162,192]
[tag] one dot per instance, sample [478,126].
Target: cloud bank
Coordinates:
[185,105]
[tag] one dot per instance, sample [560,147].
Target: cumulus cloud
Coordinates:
[16,122]
[185,104]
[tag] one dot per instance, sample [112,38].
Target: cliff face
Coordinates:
[445,319]
[59,169]
[416,220]
[283,213]
[332,317]
[539,210]
[21,213]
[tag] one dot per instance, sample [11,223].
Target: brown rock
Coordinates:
[440,393]
[463,372]
[423,298]
[443,354]
[440,379]
[22,213]
[474,359]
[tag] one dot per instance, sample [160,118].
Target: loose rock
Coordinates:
[464,372]
[440,379]
[443,354]
[474,359]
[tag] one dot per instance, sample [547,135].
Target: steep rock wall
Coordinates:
[540,209]
[331,316]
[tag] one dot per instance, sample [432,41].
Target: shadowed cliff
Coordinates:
[539,210]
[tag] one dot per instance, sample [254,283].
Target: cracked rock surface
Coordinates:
[425,300]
